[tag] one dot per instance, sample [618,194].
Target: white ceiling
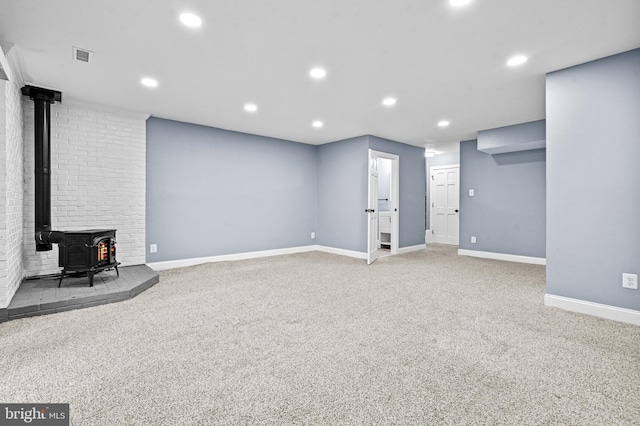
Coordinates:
[440,62]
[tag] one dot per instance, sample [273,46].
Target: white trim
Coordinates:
[446,166]
[342,252]
[502,256]
[590,308]
[409,249]
[181,263]
[427,236]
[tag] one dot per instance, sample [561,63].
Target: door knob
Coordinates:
[456,210]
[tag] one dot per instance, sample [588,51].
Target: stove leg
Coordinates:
[90,274]
[117,272]
[61,277]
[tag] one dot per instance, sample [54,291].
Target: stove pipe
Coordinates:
[42,99]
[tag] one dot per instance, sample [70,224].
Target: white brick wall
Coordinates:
[11,189]
[97,178]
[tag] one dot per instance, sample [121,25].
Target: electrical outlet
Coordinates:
[630,281]
[153,248]
[313,235]
[473,240]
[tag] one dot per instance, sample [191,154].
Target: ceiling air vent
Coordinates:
[82,55]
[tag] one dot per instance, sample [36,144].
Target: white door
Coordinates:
[445,202]
[372,210]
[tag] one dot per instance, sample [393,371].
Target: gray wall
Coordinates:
[342,194]
[514,138]
[412,188]
[212,192]
[507,213]
[438,160]
[593,170]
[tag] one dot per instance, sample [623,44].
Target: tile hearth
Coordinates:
[41,296]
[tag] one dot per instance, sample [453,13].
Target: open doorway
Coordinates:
[383,200]
[384,206]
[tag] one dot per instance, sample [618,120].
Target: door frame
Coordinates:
[431,204]
[394,199]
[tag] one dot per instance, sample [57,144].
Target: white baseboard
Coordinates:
[590,308]
[403,250]
[170,264]
[502,256]
[363,255]
[342,252]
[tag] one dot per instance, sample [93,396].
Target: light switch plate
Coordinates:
[472,193]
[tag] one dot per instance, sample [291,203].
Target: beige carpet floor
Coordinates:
[426,338]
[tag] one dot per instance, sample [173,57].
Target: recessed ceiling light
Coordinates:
[517,60]
[458,3]
[149,82]
[251,107]
[318,73]
[317,124]
[389,101]
[190,20]
[443,123]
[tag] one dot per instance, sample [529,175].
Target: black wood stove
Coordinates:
[89,251]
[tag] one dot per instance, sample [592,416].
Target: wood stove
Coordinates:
[89,251]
